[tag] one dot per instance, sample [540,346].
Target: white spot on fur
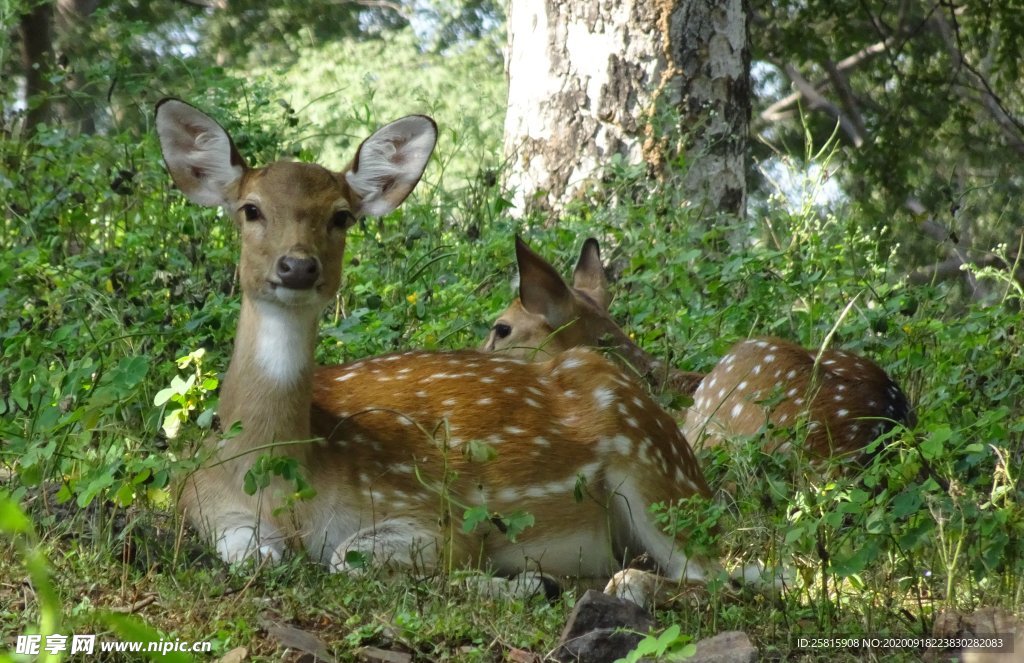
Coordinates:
[603,396]
[571,363]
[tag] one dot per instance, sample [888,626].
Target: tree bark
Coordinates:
[710,52]
[37,62]
[587,82]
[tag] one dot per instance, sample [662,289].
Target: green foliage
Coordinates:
[669,645]
[14,524]
[929,90]
[187,395]
[133,629]
[266,467]
[344,90]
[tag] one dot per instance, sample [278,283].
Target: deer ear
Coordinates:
[199,153]
[541,290]
[389,163]
[589,274]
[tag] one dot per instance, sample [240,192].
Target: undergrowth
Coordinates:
[119,303]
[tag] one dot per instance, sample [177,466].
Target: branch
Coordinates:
[953,268]
[818,101]
[846,95]
[206,4]
[775,111]
[383,4]
[1011,128]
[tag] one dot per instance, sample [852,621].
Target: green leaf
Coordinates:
[98,484]
[932,446]
[12,519]
[205,418]
[249,483]
[473,516]
[172,423]
[356,559]
[579,489]
[516,523]
[478,451]
[163,396]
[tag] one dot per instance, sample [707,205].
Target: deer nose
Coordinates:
[298,273]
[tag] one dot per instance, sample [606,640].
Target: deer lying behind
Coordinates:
[847,400]
[550,317]
[396,446]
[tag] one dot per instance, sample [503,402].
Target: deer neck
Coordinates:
[644,364]
[268,386]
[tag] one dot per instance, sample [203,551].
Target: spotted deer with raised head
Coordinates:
[400,448]
[847,401]
[549,317]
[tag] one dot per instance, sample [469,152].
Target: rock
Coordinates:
[311,648]
[601,629]
[983,622]
[726,647]
[597,610]
[236,655]
[516,655]
[376,655]
[602,645]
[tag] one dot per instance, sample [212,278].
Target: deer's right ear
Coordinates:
[589,274]
[198,152]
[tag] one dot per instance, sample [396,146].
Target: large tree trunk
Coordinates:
[587,80]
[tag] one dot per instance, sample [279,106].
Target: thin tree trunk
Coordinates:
[37,62]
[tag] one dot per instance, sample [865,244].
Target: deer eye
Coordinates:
[342,219]
[502,330]
[252,213]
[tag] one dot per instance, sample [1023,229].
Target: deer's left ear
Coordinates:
[390,163]
[541,290]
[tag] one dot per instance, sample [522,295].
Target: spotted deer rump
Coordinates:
[845,402]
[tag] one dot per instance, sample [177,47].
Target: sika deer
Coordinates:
[847,400]
[575,443]
[549,317]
